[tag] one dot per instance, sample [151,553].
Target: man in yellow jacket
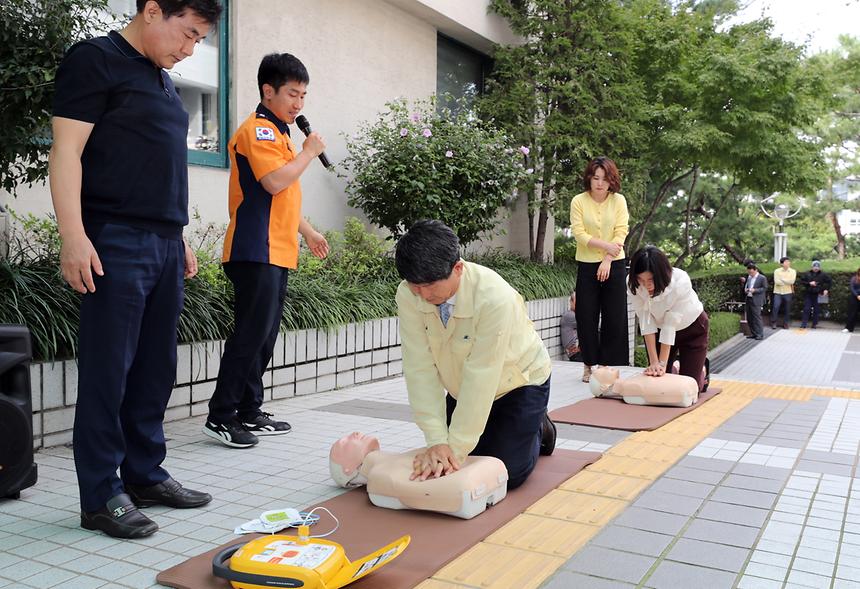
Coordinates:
[465,330]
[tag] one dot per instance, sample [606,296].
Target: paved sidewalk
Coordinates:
[762,493]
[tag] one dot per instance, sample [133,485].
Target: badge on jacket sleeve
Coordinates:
[265,134]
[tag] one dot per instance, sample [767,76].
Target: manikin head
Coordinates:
[602,381]
[346,456]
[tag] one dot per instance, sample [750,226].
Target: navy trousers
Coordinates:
[781,301]
[810,305]
[259,290]
[126,361]
[513,430]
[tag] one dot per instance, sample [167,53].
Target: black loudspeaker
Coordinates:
[17,469]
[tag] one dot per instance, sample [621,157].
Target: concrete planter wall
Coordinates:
[304,362]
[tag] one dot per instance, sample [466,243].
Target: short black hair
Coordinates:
[783,259]
[650,259]
[751,266]
[427,252]
[208,10]
[276,69]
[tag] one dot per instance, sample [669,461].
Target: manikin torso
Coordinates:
[669,390]
[480,481]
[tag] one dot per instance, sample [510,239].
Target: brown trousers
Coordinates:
[691,349]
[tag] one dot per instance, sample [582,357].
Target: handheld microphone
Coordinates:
[305,126]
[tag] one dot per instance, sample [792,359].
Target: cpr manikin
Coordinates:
[669,390]
[356,460]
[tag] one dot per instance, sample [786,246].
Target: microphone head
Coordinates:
[303,124]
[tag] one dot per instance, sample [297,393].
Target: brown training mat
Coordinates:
[436,539]
[616,414]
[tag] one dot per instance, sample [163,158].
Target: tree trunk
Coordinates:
[840,238]
[707,228]
[643,225]
[543,217]
[689,212]
[737,257]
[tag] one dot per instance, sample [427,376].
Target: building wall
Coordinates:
[360,54]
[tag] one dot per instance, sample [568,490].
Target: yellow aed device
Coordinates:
[291,561]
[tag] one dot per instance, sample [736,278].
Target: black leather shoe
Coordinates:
[119,518]
[547,436]
[169,493]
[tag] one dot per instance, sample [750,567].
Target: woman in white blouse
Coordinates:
[669,311]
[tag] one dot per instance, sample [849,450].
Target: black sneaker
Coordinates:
[230,434]
[264,425]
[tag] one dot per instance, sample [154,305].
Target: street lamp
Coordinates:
[780,212]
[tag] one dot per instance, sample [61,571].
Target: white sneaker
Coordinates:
[845,330]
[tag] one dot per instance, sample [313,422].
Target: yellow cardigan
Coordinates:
[489,348]
[607,221]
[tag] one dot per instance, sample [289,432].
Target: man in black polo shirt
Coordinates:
[119,181]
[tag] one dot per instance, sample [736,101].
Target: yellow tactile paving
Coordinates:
[605,485]
[646,451]
[530,548]
[436,584]
[543,534]
[628,467]
[577,507]
[500,567]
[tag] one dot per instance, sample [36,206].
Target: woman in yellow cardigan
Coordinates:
[599,220]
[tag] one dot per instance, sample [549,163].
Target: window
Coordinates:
[201,81]
[460,71]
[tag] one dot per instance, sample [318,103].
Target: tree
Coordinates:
[417,163]
[726,103]
[568,93]
[839,129]
[34,35]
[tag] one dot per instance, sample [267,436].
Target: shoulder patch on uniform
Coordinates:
[265,134]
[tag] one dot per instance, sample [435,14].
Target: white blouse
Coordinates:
[672,310]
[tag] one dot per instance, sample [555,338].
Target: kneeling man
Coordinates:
[465,330]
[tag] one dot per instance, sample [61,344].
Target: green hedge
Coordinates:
[725,286]
[355,283]
[722,327]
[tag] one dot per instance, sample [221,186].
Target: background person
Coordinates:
[465,330]
[567,330]
[669,311]
[815,283]
[853,302]
[119,182]
[755,287]
[783,291]
[599,220]
[261,247]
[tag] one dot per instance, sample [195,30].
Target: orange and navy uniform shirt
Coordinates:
[263,227]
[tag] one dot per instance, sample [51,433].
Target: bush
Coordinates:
[727,279]
[417,163]
[355,283]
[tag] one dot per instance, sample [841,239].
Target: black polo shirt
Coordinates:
[135,163]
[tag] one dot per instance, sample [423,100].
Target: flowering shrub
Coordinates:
[416,163]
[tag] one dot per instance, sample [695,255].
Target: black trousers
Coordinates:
[259,290]
[513,433]
[604,304]
[126,361]
[853,308]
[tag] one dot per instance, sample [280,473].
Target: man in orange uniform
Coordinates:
[261,246]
